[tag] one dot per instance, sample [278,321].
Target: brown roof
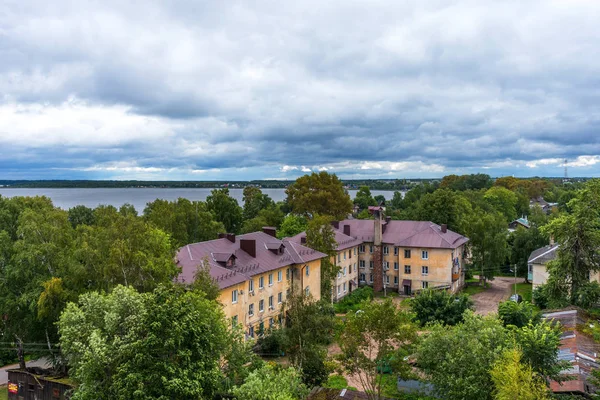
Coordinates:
[343,241]
[217,252]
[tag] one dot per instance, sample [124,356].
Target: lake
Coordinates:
[138,197]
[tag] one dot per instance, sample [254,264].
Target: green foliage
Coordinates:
[336,382]
[319,194]
[353,301]
[270,216]
[440,306]
[503,201]
[487,234]
[445,206]
[518,314]
[225,209]
[373,336]
[540,297]
[255,201]
[157,345]
[291,226]
[272,382]
[363,198]
[522,243]
[273,343]
[204,282]
[184,220]
[466,182]
[516,380]
[321,237]
[458,359]
[79,215]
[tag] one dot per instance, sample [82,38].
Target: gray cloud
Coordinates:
[229,89]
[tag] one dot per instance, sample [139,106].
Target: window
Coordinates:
[362,277]
[251,285]
[234,320]
[407,269]
[279,298]
[424,270]
[339,274]
[387,279]
[406,253]
[355,251]
[395,251]
[339,289]
[350,268]
[424,284]
[307,270]
[307,291]
[279,276]
[361,248]
[425,255]
[386,265]
[396,265]
[270,279]
[395,280]
[261,306]
[234,294]
[261,328]
[339,257]
[371,278]
[251,309]
[287,274]
[349,253]
[251,331]
[344,287]
[270,302]
[370,248]
[344,271]
[261,282]
[344,255]
[371,264]
[361,263]
[386,250]
[271,322]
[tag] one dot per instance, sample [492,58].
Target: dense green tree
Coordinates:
[504,201]
[184,220]
[466,182]
[440,306]
[225,209]
[363,198]
[487,234]
[458,359]
[270,216]
[522,242]
[518,314]
[445,206]
[255,201]
[204,282]
[291,226]
[379,199]
[128,210]
[516,380]
[373,338]
[319,194]
[125,345]
[79,215]
[272,382]
[321,237]
[579,236]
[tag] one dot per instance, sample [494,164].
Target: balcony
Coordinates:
[455,276]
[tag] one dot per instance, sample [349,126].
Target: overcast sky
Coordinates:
[204,90]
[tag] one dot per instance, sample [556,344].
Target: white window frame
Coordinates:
[339,288]
[271,279]
[251,309]
[271,302]
[425,254]
[395,280]
[307,270]
[279,276]
[396,250]
[371,278]
[251,285]
[396,266]
[371,264]
[279,297]
[362,277]
[424,285]
[361,248]
[425,270]
[234,296]
[261,306]
[261,282]
[409,269]
[345,290]
[344,255]
[386,250]
[371,248]
[306,291]
[344,271]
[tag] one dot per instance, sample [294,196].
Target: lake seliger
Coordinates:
[139,197]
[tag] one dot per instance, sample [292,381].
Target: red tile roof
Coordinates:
[218,251]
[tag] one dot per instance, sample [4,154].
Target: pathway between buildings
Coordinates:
[500,290]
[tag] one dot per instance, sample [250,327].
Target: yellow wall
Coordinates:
[347,261]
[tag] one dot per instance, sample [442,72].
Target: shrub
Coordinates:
[272,344]
[439,305]
[540,297]
[518,314]
[352,301]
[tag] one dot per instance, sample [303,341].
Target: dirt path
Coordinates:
[500,290]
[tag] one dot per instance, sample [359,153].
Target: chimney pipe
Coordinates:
[347,230]
[231,237]
[269,230]
[335,224]
[249,246]
[303,240]
[444,228]
[388,219]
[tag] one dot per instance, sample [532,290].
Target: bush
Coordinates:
[352,301]
[540,297]
[439,305]
[588,295]
[518,314]
[272,344]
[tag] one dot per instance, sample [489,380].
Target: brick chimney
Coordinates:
[303,240]
[249,246]
[335,224]
[378,251]
[228,236]
[347,230]
[269,230]
[444,228]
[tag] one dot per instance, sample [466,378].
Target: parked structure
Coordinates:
[581,351]
[35,384]
[403,256]
[537,273]
[543,204]
[255,273]
[522,222]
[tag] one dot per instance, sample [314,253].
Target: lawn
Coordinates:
[524,289]
[3,393]
[473,289]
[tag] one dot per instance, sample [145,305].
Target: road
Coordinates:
[42,362]
[487,302]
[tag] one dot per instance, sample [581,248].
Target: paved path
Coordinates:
[42,362]
[500,290]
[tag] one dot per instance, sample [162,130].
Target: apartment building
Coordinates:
[402,256]
[255,273]
[346,259]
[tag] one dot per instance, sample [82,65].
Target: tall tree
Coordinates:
[225,209]
[440,306]
[516,380]
[445,206]
[376,337]
[255,201]
[125,345]
[522,242]
[79,215]
[487,234]
[363,198]
[319,194]
[321,237]
[272,382]
[578,234]
[504,201]
[292,225]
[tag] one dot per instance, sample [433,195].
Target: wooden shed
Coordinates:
[35,384]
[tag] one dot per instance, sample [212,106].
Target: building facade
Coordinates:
[255,273]
[401,256]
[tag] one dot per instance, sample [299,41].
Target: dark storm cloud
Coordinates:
[228,89]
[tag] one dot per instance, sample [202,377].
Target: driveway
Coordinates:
[42,362]
[500,290]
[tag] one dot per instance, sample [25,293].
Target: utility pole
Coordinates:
[515,285]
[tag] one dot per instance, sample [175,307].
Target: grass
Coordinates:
[3,393]
[336,382]
[473,289]
[524,289]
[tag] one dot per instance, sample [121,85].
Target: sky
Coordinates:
[237,90]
